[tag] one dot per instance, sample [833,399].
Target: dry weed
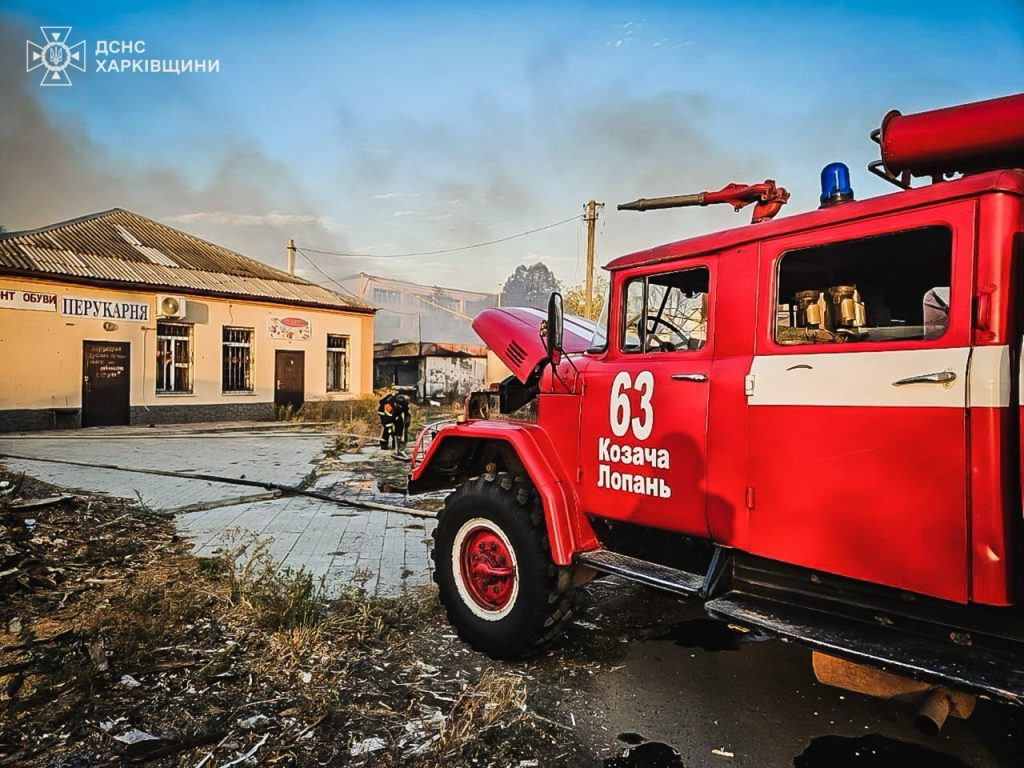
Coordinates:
[498,698]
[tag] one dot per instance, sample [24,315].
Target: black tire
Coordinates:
[537,608]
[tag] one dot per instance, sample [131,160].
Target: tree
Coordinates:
[529,286]
[574,298]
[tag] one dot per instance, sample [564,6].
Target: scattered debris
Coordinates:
[134,736]
[40,504]
[254,722]
[371,744]
[118,647]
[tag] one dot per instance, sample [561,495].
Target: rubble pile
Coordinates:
[117,647]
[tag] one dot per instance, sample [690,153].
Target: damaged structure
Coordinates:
[423,339]
[116,319]
[436,371]
[412,311]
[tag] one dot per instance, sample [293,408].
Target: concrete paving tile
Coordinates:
[386,552]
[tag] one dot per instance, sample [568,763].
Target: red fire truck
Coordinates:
[811,423]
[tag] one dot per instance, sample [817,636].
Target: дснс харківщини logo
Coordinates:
[55,55]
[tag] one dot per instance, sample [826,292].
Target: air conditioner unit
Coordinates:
[170,306]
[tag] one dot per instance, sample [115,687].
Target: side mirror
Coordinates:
[555,326]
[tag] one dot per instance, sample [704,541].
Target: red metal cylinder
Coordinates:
[980,136]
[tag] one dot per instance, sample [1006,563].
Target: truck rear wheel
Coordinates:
[493,568]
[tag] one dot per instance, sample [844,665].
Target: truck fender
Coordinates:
[457,452]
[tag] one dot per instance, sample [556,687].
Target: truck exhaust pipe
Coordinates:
[936,704]
[933,712]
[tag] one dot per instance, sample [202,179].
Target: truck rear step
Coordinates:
[971,669]
[643,571]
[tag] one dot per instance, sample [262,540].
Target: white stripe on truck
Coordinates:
[864,379]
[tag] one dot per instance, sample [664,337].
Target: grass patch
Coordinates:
[213,657]
[275,598]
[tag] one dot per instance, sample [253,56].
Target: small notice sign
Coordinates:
[17,298]
[287,327]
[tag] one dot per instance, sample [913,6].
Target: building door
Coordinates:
[646,406]
[106,375]
[289,378]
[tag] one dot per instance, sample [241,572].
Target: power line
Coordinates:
[445,250]
[396,311]
[313,264]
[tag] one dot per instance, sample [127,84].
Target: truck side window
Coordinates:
[886,288]
[667,312]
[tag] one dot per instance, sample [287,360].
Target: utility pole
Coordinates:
[591,218]
[291,256]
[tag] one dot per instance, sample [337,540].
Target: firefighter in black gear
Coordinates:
[393,411]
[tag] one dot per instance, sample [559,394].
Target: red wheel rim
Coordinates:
[487,569]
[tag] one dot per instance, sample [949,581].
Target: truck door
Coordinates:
[857,401]
[645,405]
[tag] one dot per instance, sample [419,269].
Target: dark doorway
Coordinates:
[106,376]
[290,378]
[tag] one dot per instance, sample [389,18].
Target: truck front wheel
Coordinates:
[493,568]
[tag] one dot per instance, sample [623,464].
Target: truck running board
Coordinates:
[643,571]
[995,674]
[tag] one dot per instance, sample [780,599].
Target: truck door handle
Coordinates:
[942,377]
[689,377]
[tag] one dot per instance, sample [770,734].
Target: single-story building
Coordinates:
[434,370]
[114,318]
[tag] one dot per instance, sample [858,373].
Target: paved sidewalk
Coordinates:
[386,551]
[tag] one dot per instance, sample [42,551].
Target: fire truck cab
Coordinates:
[812,424]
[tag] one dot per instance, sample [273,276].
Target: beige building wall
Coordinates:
[496,370]
[41,351]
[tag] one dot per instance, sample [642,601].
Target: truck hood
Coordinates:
[513,334]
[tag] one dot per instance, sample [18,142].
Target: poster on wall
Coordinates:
[17,298]
[289,327]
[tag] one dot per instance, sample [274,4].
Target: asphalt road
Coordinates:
[721,698]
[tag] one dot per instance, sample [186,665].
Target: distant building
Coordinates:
[436,371]
[414,312]
[113,318]
[423,337]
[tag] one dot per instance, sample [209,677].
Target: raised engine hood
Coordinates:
[513,333]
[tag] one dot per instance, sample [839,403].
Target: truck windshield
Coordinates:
[600,338]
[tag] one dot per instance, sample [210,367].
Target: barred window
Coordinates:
[173,358]
[236,367]
[337,363]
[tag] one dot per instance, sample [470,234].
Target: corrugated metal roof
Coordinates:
[119,246]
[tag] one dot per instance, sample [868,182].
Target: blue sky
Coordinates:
[395,127]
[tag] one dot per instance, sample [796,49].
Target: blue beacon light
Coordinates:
[835,185]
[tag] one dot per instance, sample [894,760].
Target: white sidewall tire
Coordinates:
[456,565]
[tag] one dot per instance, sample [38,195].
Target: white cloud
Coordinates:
[385,196]
[230,218]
